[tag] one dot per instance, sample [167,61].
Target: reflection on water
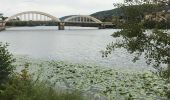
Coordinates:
[79,45]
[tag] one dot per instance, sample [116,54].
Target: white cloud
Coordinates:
[57,8]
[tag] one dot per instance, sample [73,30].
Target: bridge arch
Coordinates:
[36,13]
[82,19]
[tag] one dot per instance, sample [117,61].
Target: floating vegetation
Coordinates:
[101,83]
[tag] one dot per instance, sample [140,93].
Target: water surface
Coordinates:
[75,44]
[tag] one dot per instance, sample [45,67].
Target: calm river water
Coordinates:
[77,45]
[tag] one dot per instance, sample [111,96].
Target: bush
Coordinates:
[6,61]
[23,87]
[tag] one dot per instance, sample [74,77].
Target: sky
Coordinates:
[57,8]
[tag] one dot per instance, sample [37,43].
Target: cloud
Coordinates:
[57,8]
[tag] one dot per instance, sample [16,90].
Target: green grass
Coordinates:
[23,91]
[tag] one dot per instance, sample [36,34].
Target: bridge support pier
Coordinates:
[102,26]
[61,26]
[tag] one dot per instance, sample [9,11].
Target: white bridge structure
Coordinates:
[82,19]
[39,17]
[32,16]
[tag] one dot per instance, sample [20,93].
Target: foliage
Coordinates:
[153,24]
[2,17]
[154,44]
[102,82]
[22,87]
[6,61]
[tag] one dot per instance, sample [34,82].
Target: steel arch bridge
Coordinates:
[82,19]
[33,16]
[37,17]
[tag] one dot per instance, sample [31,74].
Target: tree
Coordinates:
[6,61]
[1,16]
[155,45]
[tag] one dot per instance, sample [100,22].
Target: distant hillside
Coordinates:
[63,18]
[108,14]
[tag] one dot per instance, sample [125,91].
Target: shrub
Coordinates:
[22,87]
[6,61]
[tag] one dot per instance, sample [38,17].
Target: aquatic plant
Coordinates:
[102,82]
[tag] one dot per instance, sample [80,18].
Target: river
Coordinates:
[75,45]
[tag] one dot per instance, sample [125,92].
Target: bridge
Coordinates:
[37,18]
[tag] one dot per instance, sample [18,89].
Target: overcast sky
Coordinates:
[58,8]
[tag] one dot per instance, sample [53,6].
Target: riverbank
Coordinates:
[96,81]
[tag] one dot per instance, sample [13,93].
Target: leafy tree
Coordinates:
[154,44]
[6,61]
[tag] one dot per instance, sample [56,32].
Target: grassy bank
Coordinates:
[23,89]
[98,82]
